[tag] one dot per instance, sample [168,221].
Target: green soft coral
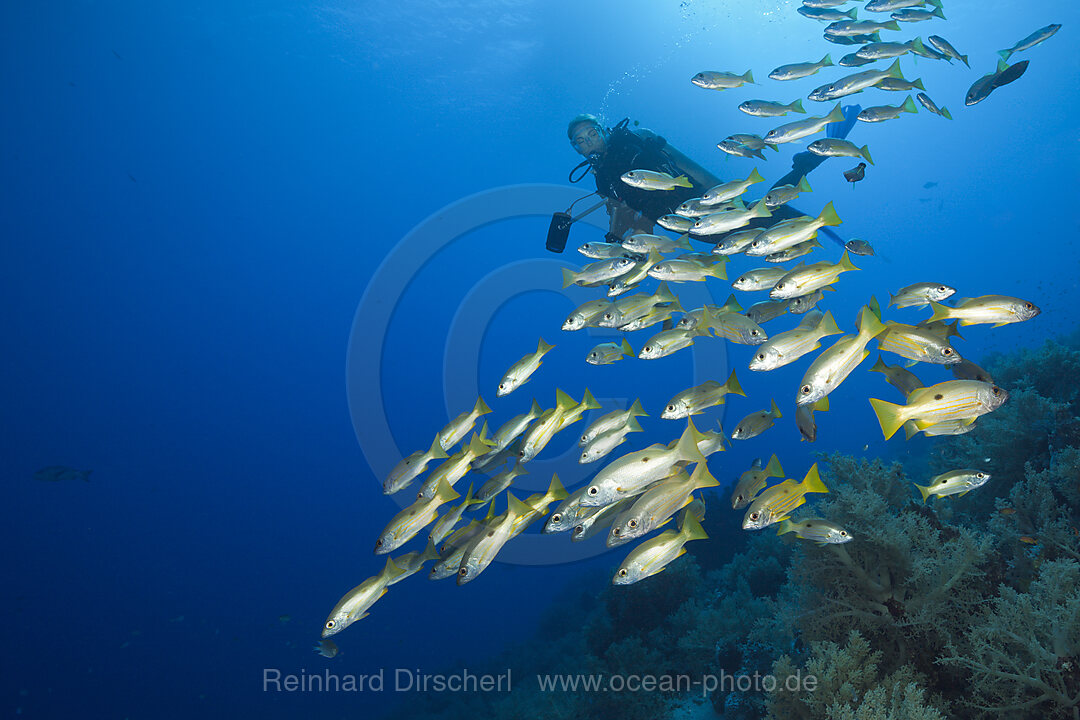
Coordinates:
[849,686]
[1023,651]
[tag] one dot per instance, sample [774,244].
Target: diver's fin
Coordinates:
[841,129]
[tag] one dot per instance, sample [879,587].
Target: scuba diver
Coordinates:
[610,153]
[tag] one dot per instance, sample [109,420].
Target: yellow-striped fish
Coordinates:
[950,400]
[776,503]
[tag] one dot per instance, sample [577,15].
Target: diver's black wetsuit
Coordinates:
[627,150]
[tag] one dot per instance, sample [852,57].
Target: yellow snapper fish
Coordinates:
[949,400]
[688,270]
[654,507]
[676,223]
[631,473]
[795,71]
[807,279]
[410,467]
[652,556]
[445,524]
[952,483]
[917,344]
[584,314]
[756,423]
[697,208]
[636,306]
[597,273]
[787,347]
[575,413]
[717,80]
[602,250]
[753,481]
[792,232]
[538,505]
[967,370]
[766,310]
[493,459]
[355,603]
[731,190]
[794,252]
[759,279]
[652,180]
[519,372]
[700,398]
[949,427]
[900,378]
[540,433]
[881,113]
[838,147]
[766,108]
[832,366]
[567,513]
[633,278]
[735,327]
[413,562]
[805,303]
[736,242]
[596,520]
[496,484]
[460,426]
[513,428]
[712,441]
[696,317]
[804,419]
[920,294]
[645,243]
[608,353]
[776,503]
[412,519]
[604,443]
[656,315]
[667,342]
[611,421]
[799,129]
[483,549]
[722,222]
[783,194]
[456,466]
[996,309]
[815,530]
[454,548]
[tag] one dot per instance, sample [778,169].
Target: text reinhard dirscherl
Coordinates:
[409,680]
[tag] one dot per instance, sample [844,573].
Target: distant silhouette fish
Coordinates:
[61,473]
[1013,72]
[856,173]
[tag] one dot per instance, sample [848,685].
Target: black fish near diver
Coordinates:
[1005,74]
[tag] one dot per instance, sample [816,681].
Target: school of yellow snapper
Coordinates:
[639,492]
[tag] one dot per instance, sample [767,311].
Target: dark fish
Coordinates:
[61,473]
[856,173]
[859,247]
[929,185]
[1011,73]
[981,88]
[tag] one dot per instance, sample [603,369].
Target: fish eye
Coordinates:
[1029,306]
[754,516]
[996,391]
[379,543]
[578,529]
[556,517]
[615,531]
[632,523]
[622,572]
[942,288]
[648,348]
[761,356]
[502,386]
[947,352]
[593,490]
[463,572]
[330,624]
[843,533]
[980,475]
[806,389]
[754,333]
[671,408]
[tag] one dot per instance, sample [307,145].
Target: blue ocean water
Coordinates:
[197,198]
